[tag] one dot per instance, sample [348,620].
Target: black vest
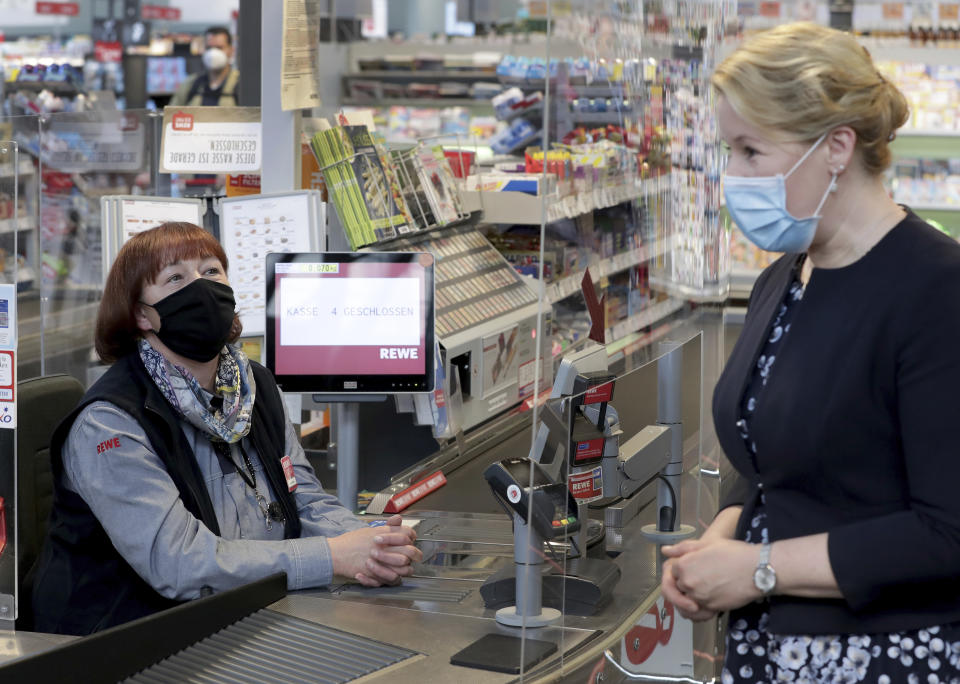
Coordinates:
[82,584]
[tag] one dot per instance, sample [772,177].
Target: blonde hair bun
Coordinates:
[802,80]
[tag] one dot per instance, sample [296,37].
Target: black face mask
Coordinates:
[195,320]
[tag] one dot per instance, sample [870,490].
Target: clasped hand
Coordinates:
[705,577]
[375,555]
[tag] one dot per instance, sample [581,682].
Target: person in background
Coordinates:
[180,474]
[216,85]
[837,548]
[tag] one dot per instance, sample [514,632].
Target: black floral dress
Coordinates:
[924,656]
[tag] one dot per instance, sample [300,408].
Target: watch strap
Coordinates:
[764,555]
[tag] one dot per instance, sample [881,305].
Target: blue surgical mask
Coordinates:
[758,205]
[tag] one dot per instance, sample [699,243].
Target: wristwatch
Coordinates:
[765,577]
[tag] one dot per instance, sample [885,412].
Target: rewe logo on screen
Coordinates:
[399,353]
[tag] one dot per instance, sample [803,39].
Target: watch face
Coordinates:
[765,579]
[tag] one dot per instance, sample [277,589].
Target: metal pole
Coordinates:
[528,562]
[276,174]
[528,559]
[348,453]
[669,382]
[248,52]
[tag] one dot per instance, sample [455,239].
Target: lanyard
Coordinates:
[271,511]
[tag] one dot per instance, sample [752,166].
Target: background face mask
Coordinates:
[758,205]
[215,59]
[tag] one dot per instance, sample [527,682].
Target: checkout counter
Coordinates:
[452,608]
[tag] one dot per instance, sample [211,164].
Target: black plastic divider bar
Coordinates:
[119,652]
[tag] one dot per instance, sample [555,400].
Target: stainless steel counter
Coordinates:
[15,645]
[439,611]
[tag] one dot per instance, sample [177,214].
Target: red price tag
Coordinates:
[62,9]
[770,10]
[160,12]
[107,52]
[893,10]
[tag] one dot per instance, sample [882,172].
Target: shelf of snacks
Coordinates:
[940,146]
[417,102]
[25,168]
[652,315]
[569,285]
[424,74]
[936,55]
[504,206]
[747,262]
[23,222]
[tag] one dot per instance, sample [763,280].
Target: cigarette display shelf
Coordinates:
[474,283]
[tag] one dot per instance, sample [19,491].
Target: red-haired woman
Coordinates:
[180,474]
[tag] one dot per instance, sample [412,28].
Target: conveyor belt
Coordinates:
[271,647]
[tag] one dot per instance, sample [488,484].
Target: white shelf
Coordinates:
[25,169]
[742,281]
[569,285]
[926,133]
[423,75]
[522,209]
[602,117]
[24,223]
[429,102]
[707,295]
[921,55]
[932,207]
[649,316]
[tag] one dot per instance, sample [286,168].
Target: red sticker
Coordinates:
[587,486]
[598,394]
[182,122]
[288,473]
[588,450]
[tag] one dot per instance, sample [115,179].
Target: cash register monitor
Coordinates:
[341,322]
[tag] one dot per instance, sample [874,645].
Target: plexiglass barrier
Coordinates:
[81,157]
[625,447]
[14,231]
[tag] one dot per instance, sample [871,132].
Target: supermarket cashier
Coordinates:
[180,474]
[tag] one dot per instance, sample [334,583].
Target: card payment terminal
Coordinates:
[554,510]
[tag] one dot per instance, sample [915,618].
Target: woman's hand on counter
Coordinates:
[714,575]
[375,556]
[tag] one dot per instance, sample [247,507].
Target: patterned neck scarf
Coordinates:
[234,383]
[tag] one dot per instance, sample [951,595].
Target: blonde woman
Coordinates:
[837,549]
